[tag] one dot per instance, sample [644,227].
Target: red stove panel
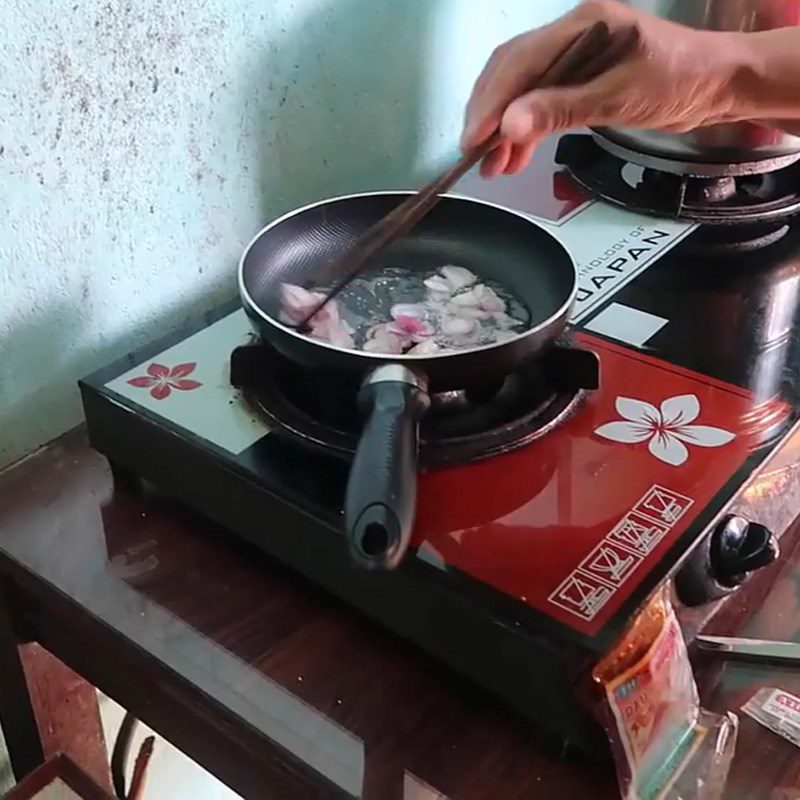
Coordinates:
[544,189]
[571,524]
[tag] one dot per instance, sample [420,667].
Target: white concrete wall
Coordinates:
[143,142]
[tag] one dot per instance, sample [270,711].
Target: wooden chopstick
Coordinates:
[590,54]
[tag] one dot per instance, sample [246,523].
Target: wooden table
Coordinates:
[268,682]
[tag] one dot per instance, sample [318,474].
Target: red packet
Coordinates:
[651,708]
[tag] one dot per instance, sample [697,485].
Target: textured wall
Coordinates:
[143,142]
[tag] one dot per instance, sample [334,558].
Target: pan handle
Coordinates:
[382,488]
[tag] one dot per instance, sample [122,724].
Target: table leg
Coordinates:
[67,712]
[45,707]
[17,717]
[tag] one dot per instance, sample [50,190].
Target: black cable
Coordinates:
[119,755]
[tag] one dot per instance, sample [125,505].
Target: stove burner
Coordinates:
[321,411]
[765,199]
[729,239]
[704,190]
[609,142]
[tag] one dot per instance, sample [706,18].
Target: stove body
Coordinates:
[525,565]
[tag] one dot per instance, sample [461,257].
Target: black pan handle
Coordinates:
[382,488]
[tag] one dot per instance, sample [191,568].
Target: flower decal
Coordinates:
[667,429]
[161,380]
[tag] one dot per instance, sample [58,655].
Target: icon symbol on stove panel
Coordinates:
[663,505]
[581,595]
[637,533]
[610,563]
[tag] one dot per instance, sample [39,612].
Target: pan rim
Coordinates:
[403,357]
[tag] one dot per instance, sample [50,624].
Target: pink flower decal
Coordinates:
[161,380]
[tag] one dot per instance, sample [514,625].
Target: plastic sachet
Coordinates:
[777,710]
[665,745]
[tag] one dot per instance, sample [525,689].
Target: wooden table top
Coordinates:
[276,687]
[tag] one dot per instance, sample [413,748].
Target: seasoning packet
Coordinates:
[777,710]
[664,744]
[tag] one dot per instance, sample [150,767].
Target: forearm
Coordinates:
[768,84]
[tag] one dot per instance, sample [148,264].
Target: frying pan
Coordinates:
[302,247]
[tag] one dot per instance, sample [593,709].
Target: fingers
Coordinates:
[532,116]
[541,112]
[498,99]
[516,65]
[512,69]
[507,159]
[497,161]
[519,158]
[478,126]
[498,84]
[478,129]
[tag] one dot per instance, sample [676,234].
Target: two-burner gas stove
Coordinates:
[548,512]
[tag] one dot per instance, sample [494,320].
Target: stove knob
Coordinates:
[724,559]
[739,547]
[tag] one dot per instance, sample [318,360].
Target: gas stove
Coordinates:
[548,509]
[740,207]
[319,409]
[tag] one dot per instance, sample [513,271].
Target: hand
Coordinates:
[679,79]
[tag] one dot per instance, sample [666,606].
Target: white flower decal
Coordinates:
[665,429]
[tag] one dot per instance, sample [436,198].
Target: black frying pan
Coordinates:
[494,243]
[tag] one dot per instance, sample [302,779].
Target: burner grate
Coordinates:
[766,199]
[320,410]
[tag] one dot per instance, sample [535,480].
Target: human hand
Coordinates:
[678,79]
